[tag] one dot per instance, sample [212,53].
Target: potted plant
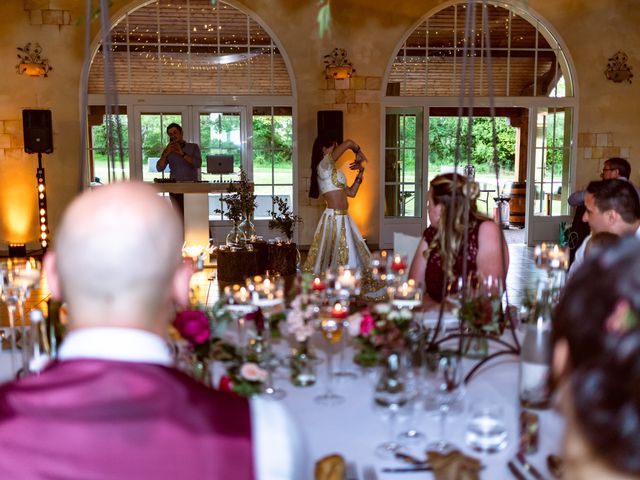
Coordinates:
[283,258]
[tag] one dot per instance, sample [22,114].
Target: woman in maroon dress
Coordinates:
[440,251]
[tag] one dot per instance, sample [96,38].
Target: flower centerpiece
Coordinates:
[481,314]
[245,379]
[299,324]
[379,332]
[201,328]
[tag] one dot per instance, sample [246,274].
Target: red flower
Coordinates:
[193,325]
[225,384]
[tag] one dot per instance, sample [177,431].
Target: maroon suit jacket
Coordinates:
[96,419]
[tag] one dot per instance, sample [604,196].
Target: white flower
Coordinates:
[382,308]
[303,333]
[253,372]
[353,324]
[402,314]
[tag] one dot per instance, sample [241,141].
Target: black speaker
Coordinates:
[330,124]
[38,134]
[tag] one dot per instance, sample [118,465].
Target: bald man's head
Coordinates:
[117,251]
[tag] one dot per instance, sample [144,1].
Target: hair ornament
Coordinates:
[471,190]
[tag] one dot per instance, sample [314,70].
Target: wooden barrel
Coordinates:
[517,204]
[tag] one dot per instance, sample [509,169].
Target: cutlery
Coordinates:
[425,468]
[535,473]
[515,471]
[351,472]
[405,457]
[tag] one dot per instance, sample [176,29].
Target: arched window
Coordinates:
[531,86]
[215,69]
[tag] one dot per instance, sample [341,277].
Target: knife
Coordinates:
[514,470]
[426,468]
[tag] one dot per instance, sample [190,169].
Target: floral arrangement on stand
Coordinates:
[379,332]
[245,379]
[239,202]
[284,220]
[202,328]
[300,325]
[481,314]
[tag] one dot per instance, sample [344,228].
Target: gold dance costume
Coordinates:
[337,240]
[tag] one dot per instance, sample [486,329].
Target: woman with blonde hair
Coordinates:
[459,240]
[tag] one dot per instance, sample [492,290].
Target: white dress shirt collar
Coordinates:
[118,344]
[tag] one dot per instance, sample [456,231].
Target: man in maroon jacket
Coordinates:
[112,407]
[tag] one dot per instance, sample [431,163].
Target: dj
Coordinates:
[184,160]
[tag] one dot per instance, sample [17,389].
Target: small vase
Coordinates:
[200,370]
[475,347]
[303,366]
[256,350]
[236,238]
[248,228]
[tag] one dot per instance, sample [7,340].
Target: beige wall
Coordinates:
[370,31]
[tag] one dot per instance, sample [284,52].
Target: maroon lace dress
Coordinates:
[434,273]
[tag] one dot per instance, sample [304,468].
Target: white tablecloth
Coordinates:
[354,429]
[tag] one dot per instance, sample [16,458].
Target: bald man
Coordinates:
[112,407]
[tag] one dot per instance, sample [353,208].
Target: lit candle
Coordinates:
[339,311]
[317,285]
[347,280]
[398,263]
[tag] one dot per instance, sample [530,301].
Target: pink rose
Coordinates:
[253,372]
[193,325]
[366,324]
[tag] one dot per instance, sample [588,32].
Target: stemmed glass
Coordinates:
[239,303]
[267,293]
[19,276]
[449,381]
[391,398]
[331,326]
[347,285]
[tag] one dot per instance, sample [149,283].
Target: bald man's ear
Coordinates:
[51,271]
[180,284]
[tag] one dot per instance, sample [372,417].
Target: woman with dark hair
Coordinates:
[596,364]
[446,243]
[337,240]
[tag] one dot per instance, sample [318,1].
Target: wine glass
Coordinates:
[448,383]
[347,285]
[239,303]
[391,398]
[18,276]
[331,326]
[267,293]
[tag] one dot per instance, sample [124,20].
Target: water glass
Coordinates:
[486,429]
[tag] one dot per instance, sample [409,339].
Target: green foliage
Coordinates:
[284,220]
[272,142]
[239,199]
[443,136]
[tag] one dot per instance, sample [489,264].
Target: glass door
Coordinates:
[548,176]
[150,129]
[403,174]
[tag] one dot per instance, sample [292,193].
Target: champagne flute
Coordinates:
[267,293]
[331,329]
[19,276]
[449,381]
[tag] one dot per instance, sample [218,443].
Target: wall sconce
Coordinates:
[617,69]
[337,65]
[32,62]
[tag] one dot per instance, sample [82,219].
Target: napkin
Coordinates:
[331,467]
[454,465]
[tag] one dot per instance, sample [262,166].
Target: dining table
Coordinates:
[354,428]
